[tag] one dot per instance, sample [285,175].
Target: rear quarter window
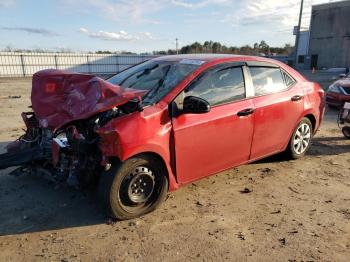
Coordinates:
[289,81]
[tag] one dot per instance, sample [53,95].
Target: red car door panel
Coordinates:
[275,118]
[209,143]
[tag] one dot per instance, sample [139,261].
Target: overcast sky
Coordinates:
[144,26]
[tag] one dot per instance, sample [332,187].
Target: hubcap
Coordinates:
[140,185]
[302,138]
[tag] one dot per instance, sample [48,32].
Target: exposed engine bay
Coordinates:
[61,141]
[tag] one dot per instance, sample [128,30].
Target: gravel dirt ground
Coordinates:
[292,211]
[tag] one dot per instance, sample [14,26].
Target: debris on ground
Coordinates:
[199,203]
[246,191]
[276,212]
[241,236]
[14,97]
[293,190]
[282,241]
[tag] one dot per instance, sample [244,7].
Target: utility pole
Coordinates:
[298,33]
[177,46]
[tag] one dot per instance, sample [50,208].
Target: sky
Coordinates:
[144,26]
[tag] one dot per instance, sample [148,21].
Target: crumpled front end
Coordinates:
[61,140]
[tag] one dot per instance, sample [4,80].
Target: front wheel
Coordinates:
[300,141]
[134,187]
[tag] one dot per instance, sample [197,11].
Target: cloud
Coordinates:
[199,4]
[7,3]
[136,11]
[30,30]
[278,16]
[116,36]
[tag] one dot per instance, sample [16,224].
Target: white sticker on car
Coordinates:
[192,62]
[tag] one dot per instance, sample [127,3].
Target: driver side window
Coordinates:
[218,86]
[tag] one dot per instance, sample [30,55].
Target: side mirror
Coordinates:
[195,105]
[342,75]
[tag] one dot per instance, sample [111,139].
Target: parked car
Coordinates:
[339,92]
[164,123]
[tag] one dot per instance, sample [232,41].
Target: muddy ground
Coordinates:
[296,210]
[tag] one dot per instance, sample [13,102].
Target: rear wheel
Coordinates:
[134,188]
[300,140]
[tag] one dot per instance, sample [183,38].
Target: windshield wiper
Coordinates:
[159,85]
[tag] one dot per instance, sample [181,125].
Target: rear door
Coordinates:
[208,143]
[278,104]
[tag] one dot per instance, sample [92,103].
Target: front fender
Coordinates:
[125,138]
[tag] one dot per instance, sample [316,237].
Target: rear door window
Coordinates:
[267,80]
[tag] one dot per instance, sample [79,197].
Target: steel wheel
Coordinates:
[301,139]
[134,187]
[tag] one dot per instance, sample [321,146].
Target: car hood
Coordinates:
[59,97]
[343,85]
[342,82]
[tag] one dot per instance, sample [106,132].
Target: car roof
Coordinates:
[211,57]
[221,58]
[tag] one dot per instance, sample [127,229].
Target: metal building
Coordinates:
[329,43]
[303,48]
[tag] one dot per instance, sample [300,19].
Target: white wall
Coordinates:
[13,64]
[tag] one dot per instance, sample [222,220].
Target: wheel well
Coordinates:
[155,156]
[312,120]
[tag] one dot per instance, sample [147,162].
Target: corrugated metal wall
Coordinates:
[13,64]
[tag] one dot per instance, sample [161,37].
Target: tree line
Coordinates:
[261,48]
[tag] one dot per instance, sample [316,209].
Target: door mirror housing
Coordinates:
[195,105]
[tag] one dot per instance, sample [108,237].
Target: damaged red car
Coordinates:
[338,93]
[162,124]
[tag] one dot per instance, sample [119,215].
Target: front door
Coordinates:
[209,143]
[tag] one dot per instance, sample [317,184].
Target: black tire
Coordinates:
[346,131]
[291,149]
[116,187]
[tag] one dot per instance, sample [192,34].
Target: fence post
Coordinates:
[23,68]
[56,61]
[117,63]
[88,63]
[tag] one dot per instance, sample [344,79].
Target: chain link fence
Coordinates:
[13,64]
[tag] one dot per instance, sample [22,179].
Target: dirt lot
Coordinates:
[297,210]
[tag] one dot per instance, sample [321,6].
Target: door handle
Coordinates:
[246,112]
[296,98]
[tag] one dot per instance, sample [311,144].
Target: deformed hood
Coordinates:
[59,97]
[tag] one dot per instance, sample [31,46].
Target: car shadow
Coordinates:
[328,146]
[321,146]
[32,204]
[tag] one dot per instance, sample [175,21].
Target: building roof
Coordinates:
[331,5]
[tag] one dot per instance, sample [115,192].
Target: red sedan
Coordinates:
[165,123]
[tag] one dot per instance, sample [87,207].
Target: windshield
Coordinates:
[158,77]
